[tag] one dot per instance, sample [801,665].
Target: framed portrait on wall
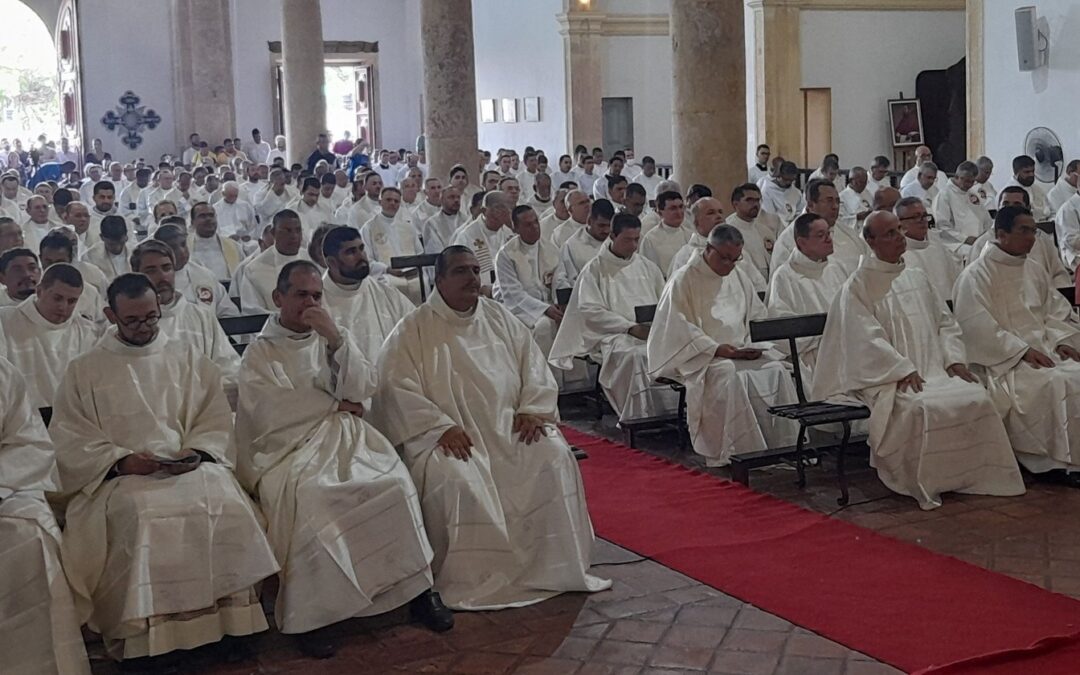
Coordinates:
[905,122]
[532,108]
[509,110]
[487,110]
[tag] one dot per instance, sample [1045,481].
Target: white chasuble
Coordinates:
[196,325]
[260,273]
[369,311]
[803,286]
[937,262]
[884,324]
[41,350]
[510,526]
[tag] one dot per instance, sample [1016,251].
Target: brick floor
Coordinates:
[655,620]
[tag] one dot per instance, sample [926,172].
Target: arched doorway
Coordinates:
[29,76]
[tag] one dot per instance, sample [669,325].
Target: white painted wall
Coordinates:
[639,67]
[127,45]
[1015,101]
[869,57]
[519,53]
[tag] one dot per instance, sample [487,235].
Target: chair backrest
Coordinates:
[46,415]
[790,328]
[562,296]
[761,296]
[242,329]
[405,262]
[1070,294]
[644,313]
[1046,226]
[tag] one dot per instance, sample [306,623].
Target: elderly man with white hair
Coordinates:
[925,252]
[486,235]
[275,198]
[957,213]
[235,217]
[278,151]
[923,155]
[924,186]
[856,200]
[651,217]
[983,188]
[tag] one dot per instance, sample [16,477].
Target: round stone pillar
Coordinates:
[303,77]
[446,35]
[709,107]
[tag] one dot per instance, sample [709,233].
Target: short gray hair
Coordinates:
[724,234]
[984,162]
[854,170]
[668,186]
[906,203]
[927,166]
[496,200]
[967,169]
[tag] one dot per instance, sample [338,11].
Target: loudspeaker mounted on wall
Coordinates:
[1032,44]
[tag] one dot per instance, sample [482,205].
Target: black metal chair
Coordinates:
[241,329]
[46,415]
[807,413]
[1070,294]
[596,393]
[418,263]
[562,296]
[645,314]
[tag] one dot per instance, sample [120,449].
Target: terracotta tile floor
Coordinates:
[655,620]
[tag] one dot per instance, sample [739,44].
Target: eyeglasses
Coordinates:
[925,216]
[148,321]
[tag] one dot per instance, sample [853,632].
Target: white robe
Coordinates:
[784,203]
[886,323]
[270,202]
[359,212]
[803,286]
[933,259]
[662,243]
[853,203]
[523,277]
[848,247]
[311,217]
[912,176]
[595,324]
[343,514]
[563,231]
[1043,254]
[132,542]
[1067,226]
[41,350]
[39,626]
[957,219]
[237,218]
[915,189]
[111,266]
[256,284]
[198,285]
[727,400]
[509,527]
[439,230]
[986,194]
[575,254]
[696,246]
[548,224]
[1040,208]
[369,312]
[386,238]
[759,238]
[197,325]
[1059,194]
[483,242]
[1006,307]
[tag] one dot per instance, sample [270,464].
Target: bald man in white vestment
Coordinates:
[578,207]
[600,322]
[487,234]
[925,251]
[466,395]
[891,343]
[388,234]
[1024,176]
[585,243]
[193,281]
[144,444]
[181,320]
[807,282]
[39,624]
[256,284]
[439,229]
[661,244]
[1043,254]
[758,228]
[430,204]
[779,195]
[706,214]
[958,216]
[848,245]
[701,338]
[318,466]
[44,332]
[1017,328]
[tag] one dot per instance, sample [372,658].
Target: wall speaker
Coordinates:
[1032,44]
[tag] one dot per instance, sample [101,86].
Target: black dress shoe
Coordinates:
[236,649]
[428,609]
[316,644]
[166,664]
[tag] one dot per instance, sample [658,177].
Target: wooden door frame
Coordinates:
[807,160]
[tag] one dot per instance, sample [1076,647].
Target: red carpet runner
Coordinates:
[897,602]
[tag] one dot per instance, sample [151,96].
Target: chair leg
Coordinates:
[800,461]
[841,473]
[628,437]
[684,426]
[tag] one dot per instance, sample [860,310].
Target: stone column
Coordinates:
[582,31]
[205,101]
[709,89]
[778,113]
[446,37]
[303,76]
[976,103]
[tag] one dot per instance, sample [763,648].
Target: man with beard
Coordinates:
[389,234]
[256,284]
[440,228]
[1024,176]
[368,310]
[20,273]
[183,321]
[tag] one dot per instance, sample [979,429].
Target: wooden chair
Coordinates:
[418,263]
[807,413]
[242,329]
[645,314]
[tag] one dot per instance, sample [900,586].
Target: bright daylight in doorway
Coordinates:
[29,100]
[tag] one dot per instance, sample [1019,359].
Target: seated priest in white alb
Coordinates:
[77,219]
[578,206]
[891,343]
[585,244]
[807,282]
[111,254]
[367,196]
[925,185]
[143,438]
[440,228]
[701,338]
[37,223]
[1044,253]
[387,235]
[430,204]
[923,155]
[192,323]
[59,247]
[856,200]
[540,198]
[600,322]
[466,395]
[317,466]
[235,216]
[1065,188]
[1017,328]
[983,188]
[524,271]
[44,332]
[925,252]
[20,274]
[357,302]
[958,216]
[209,247]
[706,214]
[848,245]
[256,284]
[1024,176]
[193,281]
[510,186]
[879,174]
[275,197]
[311,208]
[39,625]
[486,235]
[1067,227]
[758,228]
[663,242]
[554,218]
[780,197]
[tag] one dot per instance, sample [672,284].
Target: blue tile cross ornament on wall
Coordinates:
[131,118]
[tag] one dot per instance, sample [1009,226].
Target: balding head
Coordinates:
[881,230]
[885,199]
[578,204]
[707,213]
